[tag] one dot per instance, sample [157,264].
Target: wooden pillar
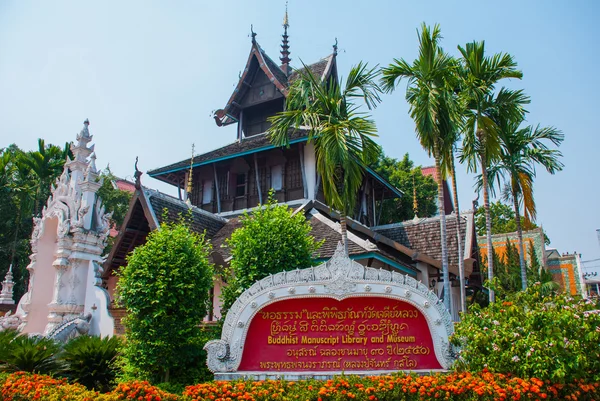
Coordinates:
[374,207]
[217,188]
[304,188]
[260,200]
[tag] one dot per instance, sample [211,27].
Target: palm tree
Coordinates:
[45,165]
[521,150]
[431,101]
[449,166]
[480,74]
[341,134]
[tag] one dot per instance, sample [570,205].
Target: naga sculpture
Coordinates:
[71,328]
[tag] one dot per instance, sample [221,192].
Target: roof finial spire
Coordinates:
[189,183]
[335,47]
[252,33]
[415,202]
[285,48]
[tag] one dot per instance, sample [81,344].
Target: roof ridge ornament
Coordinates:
[137,175]
[253,34]
[335,47]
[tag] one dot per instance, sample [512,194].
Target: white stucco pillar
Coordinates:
[310,166]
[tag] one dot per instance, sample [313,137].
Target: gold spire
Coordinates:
[189,183]
[285,46]
[415,202]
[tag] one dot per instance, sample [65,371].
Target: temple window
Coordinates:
[240,185]
[207,192]
[277,177]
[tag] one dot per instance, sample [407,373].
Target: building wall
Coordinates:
[276,165]
[533,238]
[565,271]
[44,280]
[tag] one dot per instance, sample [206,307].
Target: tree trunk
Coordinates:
[344,232]
[520,235]
[445,271]
[461,260]
[488,224]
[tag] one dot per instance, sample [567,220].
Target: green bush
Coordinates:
[6,339]
[31,354]
[271,240]
[165,288]
[89,360]
[529,334]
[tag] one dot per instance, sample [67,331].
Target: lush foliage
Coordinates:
[530,335]
[141,390]
[483,386]
[507,269]
[408,178]
[89,360]
[30,354]
[270,240]
[502,219]
[164,288]
[115,200]
[341,134]
[25,179]
[454,386]
[6,338]
[432,99]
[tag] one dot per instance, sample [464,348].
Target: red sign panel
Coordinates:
[323,334]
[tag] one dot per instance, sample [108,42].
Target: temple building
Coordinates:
[233,179]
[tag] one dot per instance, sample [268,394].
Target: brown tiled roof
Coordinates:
[274,68]
[322,231]
[170,209]
[253,143]
[317,69]
[218,241]
[423,235]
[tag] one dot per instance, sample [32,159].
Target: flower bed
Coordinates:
[453,386]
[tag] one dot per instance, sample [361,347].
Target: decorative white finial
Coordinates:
[92,166]
[6,296]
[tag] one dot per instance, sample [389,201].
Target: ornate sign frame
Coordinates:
[338,278]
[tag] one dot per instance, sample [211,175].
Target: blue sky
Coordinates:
[148,75]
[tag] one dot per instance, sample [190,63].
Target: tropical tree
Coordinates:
[431,101]
[451,169]
[409,179]
[515,169]
[341,133]
[165,290]
[45,165]
[479,75]
[270,240]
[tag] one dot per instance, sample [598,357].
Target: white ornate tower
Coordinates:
[6,296]
[67,242]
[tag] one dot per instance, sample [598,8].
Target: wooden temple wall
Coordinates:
[237,180]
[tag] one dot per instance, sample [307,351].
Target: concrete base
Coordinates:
[295,376]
